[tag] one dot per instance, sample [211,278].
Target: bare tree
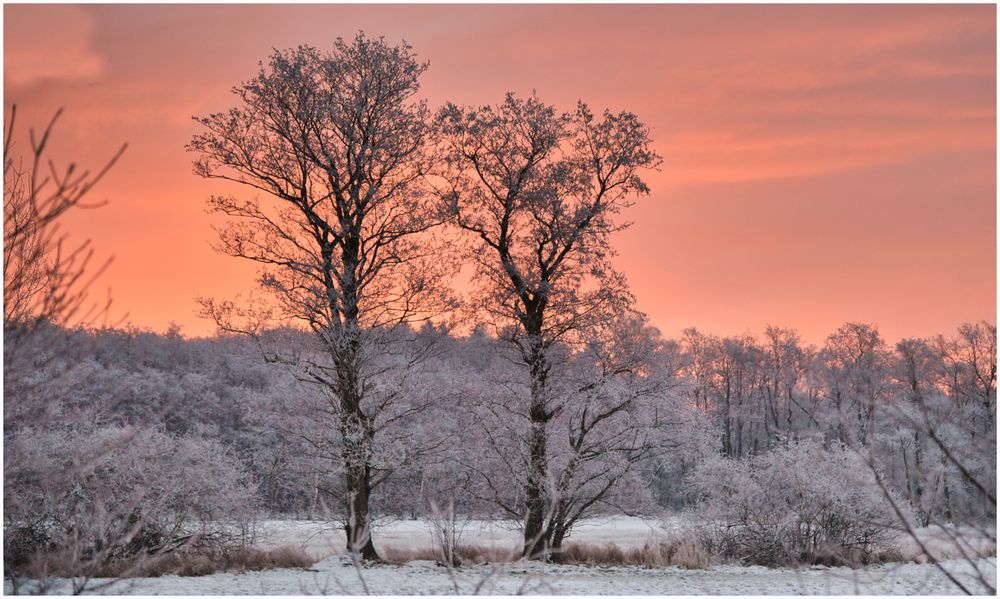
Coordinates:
[46,276]
[608,424]
[538,192]
[969,368]
[47,280]
[336,142]
[732,378]
[783,360]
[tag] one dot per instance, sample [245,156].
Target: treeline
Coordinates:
[913,405]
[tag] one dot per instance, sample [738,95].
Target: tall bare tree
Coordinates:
[336,142]
[45,277]
[538,190]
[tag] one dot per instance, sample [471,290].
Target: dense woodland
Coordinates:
[355,385]
[691,400]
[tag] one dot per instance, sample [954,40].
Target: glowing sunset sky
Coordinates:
[821,163]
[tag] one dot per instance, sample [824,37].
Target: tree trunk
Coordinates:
[558,534]
[356,426]
[727,431]
[358,436]
[947,493]
[739,431]
[536,533]
[358,526]
[788,417]
[918,480]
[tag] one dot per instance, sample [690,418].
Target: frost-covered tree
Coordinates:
[797,503]
[968,368]
[335,141]
[741,383]
[937,444]
[855,360]
[47,277]
[617,414]
[919,420]
[786,363]
[538,192]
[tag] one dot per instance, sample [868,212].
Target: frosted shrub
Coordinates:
[446,533]
[77,499]
[800,503]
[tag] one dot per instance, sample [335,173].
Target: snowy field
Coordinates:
[322,539]
[335,574]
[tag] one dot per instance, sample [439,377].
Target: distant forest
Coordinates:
[701,396]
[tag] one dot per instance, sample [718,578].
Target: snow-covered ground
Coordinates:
[335,574]
[322,539]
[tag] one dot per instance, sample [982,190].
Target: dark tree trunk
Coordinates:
[357,434]
[727,430]
[918,482]
[788,417]
[356,425]
[558,534]
[536,532]
[358,527]
[739,431]
[535,543]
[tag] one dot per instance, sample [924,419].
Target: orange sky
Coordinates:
[821,163]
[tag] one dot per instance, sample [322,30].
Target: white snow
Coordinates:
[336,575]
[322,539]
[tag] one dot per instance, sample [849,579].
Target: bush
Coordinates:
[77,500]
[796,504]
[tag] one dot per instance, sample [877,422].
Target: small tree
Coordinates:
[46,280]
[538,192]
[337,142]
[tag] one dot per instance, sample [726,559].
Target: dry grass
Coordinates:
[468,554]
[202,563]
[850,557]
[684,552]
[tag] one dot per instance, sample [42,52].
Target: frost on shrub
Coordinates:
[76,499]
[797,504]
